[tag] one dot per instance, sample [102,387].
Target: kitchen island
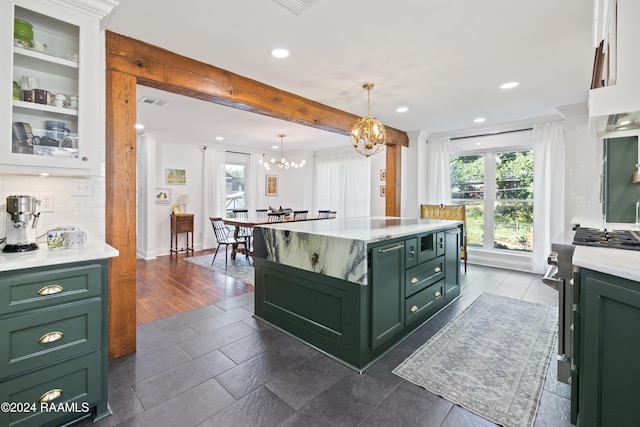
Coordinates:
[355,287]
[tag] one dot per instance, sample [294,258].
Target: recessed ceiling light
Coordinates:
[624,123]
[479,120]
[402,109]
[279,53]
[139,126]
[509,85]
[275,147]
[44,174]
[219,138]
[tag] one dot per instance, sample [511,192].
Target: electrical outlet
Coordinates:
[46,202]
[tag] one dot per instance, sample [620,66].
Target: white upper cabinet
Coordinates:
[52,119]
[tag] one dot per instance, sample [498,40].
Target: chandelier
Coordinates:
[282,163]
[368,135]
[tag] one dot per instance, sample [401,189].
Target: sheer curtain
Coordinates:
[342,182]
[548,198]
[438,175]
[214,193]
[253,181]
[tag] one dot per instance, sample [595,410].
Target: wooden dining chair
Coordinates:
[244,233]
[324,213]
[457,212]
[261,213]
[223,237]
[300,215]
[275,216]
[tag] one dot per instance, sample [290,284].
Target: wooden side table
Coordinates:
[181,223]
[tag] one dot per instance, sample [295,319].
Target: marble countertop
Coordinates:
[617,262]
[365,229]
[93,249]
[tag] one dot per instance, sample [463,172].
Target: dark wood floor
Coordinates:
[168,285]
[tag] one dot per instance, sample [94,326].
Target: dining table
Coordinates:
[251,222]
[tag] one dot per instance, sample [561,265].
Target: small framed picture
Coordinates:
[163,195]
[177,209]
[383,174]
[383,191]
[175,176]
[271,187]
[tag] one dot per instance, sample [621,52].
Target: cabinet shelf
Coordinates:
[44,57]
[33,106]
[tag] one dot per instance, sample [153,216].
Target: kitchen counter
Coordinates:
[336,247]
[616,262]
[94,249]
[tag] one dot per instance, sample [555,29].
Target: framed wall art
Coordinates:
[271,186]
[175,176]
[163,195]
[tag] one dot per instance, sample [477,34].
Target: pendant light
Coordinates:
[368,135]
[282,163]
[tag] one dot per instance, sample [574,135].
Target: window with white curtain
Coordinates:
[493,177]
[236,166]
[342,183]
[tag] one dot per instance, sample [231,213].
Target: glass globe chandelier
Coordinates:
[368,135]
[282,163]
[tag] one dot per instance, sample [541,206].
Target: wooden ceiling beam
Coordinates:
[165,70]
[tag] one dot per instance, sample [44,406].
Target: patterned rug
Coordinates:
[492,359]
[239,268]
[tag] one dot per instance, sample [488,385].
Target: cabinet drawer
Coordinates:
[79,381]
[424,303]
[183,226]
[20,291]
[423,275]
[46,336]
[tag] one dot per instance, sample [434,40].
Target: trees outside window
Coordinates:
[497,189]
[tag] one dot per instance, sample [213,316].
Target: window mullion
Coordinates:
[489,198]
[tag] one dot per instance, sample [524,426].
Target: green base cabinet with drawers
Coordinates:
[605,371]
[54,344]
[408,281]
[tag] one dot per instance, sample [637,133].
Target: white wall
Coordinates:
[378,162]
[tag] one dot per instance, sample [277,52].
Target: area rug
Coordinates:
[492,359]
[239,269]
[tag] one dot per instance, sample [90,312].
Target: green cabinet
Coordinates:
[387,292]
[452,264]
[619,191]
[606,373]
[54,343]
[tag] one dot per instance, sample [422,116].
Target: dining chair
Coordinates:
[244,233]
[223,238]
[324,213]
[275,216]
[300,215]
[261,213]
[332,214]
[458,212]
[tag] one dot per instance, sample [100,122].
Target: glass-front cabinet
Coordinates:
[54,117]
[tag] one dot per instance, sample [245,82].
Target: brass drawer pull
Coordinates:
[437,294]
[50,290]
[437,269]
[414,309]
[414,280]
[50,337]
[51,395]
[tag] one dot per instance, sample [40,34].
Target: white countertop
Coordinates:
[93,249]
[365,229]
[617,262]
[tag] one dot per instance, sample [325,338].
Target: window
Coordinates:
[235,183]
[497,189]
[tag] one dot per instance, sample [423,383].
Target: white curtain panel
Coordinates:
[342,182]
[214,193]
[255,172]
[548,198]
[438,175]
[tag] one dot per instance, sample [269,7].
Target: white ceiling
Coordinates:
[444,59]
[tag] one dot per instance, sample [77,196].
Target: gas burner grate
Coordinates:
[617,239]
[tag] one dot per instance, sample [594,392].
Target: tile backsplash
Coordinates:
[75,201]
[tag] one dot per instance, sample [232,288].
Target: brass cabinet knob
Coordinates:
[50,290]
[414,280]
[572,327]
[437,294]
[51,395]
[412,252]
[437,269]
[50,337]
[85,158]
[569,380]
[414,309]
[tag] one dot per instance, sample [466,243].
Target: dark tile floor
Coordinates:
[218,366]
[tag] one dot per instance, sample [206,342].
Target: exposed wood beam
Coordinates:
[165,70]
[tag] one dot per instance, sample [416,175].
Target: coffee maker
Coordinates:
[21,236]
